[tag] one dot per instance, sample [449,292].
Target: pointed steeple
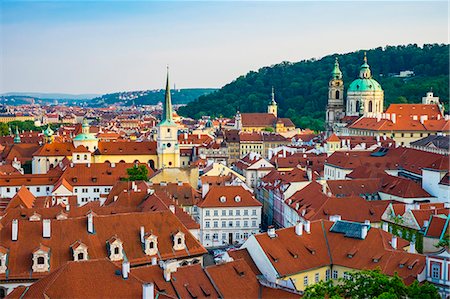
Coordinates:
[336,73]
[17,137]
[168,114]
[273,97]
[364,72]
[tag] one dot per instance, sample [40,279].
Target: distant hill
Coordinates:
[53,96]
[301,88]
[151,97]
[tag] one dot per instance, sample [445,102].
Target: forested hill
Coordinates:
[301,88]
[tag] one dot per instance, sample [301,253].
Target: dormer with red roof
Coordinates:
[115,248]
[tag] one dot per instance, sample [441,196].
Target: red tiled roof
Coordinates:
[192,282]
[55,149]
[436,226]
[127,148]
[229,193]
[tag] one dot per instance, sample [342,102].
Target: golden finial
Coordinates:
[365,56]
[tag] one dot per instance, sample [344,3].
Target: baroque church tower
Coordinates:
[167,138]
[335,107]
[272,108]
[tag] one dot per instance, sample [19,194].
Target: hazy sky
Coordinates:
[107,46]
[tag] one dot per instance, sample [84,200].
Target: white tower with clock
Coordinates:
[167,139]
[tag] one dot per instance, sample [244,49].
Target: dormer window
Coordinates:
[179,241]
[115,248]
[41,259]
[151,244]
[79,251]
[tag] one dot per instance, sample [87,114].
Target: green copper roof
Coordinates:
[48,132]
[365,85]
[17,137]
[168,113]
[336,73]
[365,81]
[85,137]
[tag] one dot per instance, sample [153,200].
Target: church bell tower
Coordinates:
[335,107]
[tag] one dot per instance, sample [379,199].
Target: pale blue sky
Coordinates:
[108,46]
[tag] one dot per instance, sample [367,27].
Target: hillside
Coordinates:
[151,97]
[301,88]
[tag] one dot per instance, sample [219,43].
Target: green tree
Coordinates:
[137,173]
[444,242]
[370,284]
[4,129]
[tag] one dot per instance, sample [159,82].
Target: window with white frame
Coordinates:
[335,274]
[224,212]
[316,277]
[224,224]
[216,212]
[436,271]
[245,223]
[216,223]
[254,212]
[245,212]
[207,225]
[206,236]
[305,280]
[207,213]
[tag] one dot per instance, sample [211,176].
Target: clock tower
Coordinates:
[167,138]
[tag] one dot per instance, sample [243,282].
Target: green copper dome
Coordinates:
[365,82]
[336,73]
[48,132]
[85,137]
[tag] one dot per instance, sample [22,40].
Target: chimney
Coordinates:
[299,228]
[154,261]
[148,291]
[393,117]
[309,174]
[46,228]
[67,207]
[425,223]
[90,223]
[308,226]
[324,188]
[180,183]
[113,165]
[412,247]
[142,233]
[271,232]
[335,218]
[89,165]
[125,269]
[394,242]
[172,208]
[71,165]
[385,226]
[166,274]
[15,229]
[367,222]
[364,231]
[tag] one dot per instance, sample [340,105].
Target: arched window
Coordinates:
[357,106]
[151,163]
[40,260]
[81,256]
[85,157]
[116,250]
[152,245]
[370,106]
[337,94]
[179,241]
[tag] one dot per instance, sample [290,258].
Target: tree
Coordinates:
[4,129]
[370,284]
[137,173]
[444,242]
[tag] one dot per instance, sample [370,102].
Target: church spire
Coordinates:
[168,114]
[273,97]
[17,137]
[336,73]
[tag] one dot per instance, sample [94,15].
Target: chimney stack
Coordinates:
[154,261]
[125,269]
[271,232]
[385,226]
[425,223]
[364,231]
[46,228]
[172,208]
[335,218]
[90,223]
[308,226]
[67,207]
[394,242]
[167,274]
[299,228]
[142,233]
[15,229]
[148,291]
[412,247]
